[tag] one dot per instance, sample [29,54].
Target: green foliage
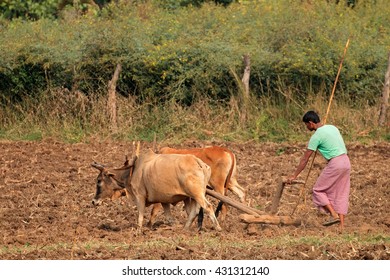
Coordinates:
[38,9]
[175,4]
[192,54]
[28,9]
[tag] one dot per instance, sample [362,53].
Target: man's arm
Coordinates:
[302,164]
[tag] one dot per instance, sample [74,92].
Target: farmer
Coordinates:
[331,190]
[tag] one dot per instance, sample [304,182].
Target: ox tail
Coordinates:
[219,208]
[200,218]
[232,184]
[227,181]
[232,167]
[207,173]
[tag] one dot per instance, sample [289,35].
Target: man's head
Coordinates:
[311,119]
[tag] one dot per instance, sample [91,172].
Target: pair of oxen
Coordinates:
[171,176]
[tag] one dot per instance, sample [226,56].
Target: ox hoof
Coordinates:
[171,222]
[96,202]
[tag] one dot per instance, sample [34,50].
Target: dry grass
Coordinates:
[74,117]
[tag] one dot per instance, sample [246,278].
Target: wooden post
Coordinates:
[111,102]
[277,197]
[278,194]
[155,143]
[245,78]
[245,90]
[385,96]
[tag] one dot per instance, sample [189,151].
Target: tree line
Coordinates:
[37,9]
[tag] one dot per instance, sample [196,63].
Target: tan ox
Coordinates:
[155,178]
[223,166]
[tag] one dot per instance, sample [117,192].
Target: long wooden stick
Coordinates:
[270,220]
[324,122]
[335,82]
[236,204]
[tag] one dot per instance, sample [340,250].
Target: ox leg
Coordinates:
[208,208]
[167,213]
[141,212]
[156,209]
[219,208]
[223,209]
[200,218]
[210,212]
[191,207]
[219,188]
[237,189]
[187,205]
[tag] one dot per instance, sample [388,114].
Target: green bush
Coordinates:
[28,9]
[189,55]
[192,52]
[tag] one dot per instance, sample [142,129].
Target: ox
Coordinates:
[156,178]
[223,166]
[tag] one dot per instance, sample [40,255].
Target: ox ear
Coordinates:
[131,161]
[126,161]
[98,166]
[109,174]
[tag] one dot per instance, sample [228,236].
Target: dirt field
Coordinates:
[46,211]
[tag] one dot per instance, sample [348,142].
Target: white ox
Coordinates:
[223,166]
[156,178]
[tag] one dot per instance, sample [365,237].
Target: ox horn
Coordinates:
[132,160]
[97,166]
[133,150]
[138,148]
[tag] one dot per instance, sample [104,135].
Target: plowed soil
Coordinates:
[46,212]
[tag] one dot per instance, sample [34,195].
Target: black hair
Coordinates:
[311,116]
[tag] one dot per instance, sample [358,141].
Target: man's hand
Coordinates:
[290,179]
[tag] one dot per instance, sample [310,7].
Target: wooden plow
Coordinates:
[255,216]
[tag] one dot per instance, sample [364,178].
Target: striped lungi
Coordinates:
[333,185]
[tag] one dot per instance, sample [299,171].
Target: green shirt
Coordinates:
[329,142]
